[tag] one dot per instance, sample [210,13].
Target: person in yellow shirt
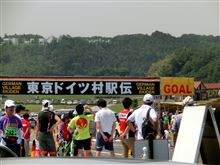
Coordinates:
[82,133]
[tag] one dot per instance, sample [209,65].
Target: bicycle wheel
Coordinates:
[67,149]
[60,151]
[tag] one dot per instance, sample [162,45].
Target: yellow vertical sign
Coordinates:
[177,86]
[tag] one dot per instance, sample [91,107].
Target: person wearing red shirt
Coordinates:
[127,137]
[26,130]
[64,134]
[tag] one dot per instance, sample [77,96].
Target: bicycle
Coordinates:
[64,149]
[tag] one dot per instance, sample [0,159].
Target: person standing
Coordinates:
[82,133]
[188,101]
[26,131]
[126,135]
[139,116]
[11,128]
[105,124]
[18,113]
[47,121]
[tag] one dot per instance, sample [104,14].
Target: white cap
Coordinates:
[188,101]
[44,102]
[148,98]
[9,103]
[51,107]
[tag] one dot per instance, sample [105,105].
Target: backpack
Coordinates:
[147,127]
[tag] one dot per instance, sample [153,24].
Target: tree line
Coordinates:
[158,54]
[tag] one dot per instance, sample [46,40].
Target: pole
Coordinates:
[0,105]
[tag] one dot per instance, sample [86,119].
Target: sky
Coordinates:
[107,18]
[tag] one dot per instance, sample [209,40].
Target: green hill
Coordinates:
[200,63]
[124,55]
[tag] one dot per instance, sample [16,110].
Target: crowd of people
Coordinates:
[15,128]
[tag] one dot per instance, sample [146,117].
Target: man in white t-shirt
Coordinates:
[105,125]
[139,115]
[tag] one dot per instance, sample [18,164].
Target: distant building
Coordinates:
[32,40]
[99,40]
[42,41]
[50,39]
[6,40]
[200,91]
[14,41]
[26,42]
[213,89]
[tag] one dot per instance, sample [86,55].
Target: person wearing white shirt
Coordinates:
[139,115]
[18,112]
[105,124]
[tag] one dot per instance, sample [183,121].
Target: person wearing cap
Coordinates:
[46,122]
[11,127]
[188,101]
[139,115]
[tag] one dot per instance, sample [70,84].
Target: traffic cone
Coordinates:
[33,149]
[37,152]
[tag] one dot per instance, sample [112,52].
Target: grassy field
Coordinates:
[24,99]
[37,107]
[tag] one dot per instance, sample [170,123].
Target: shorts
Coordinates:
[100,142]
[46,143]
[83,144]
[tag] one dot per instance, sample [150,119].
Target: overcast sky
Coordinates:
[109,18]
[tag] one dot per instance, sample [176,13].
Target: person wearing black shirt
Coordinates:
[47,121]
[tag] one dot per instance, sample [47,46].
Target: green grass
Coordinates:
[37,107]
[21,98]
[116,107]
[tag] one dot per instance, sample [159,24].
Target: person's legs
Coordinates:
[87,147]
[98,153]
[99,144]
[80,153]
[42,139]
[130,143]
[125,149]
[79,146]
[112,153]
[26,147]
[88,153]
[109,146]
[51,144]
[23,148]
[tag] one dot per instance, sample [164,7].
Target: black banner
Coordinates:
[80,87]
